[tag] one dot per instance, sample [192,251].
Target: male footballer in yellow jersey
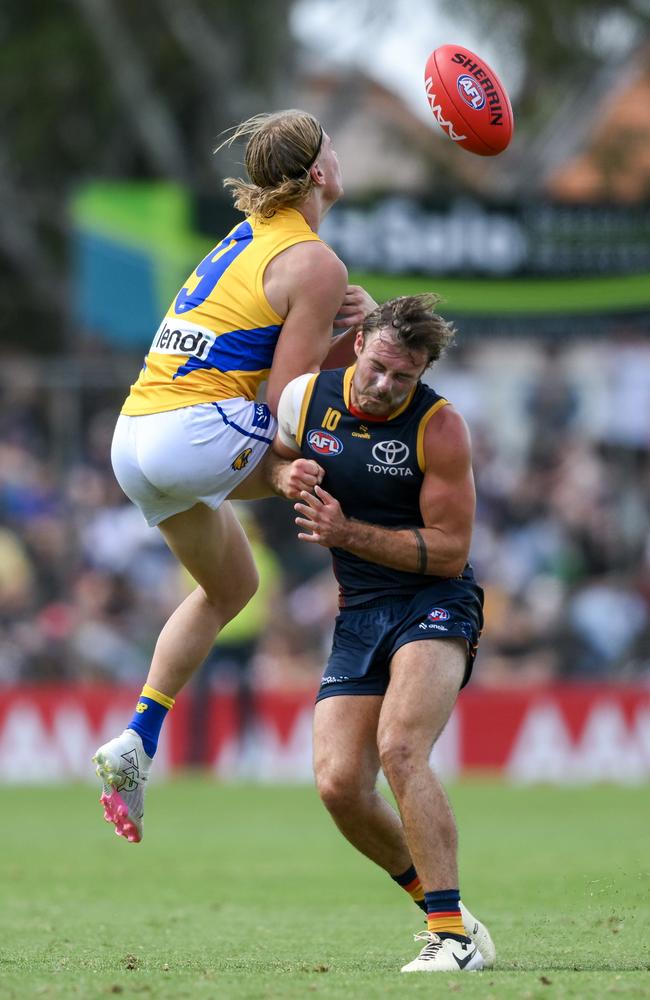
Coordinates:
[396,509]
[191,434]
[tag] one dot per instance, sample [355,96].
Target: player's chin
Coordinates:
[376,407]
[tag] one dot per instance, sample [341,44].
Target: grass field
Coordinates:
[251,892]
[518,296]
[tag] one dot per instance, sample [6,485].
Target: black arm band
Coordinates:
[422,551]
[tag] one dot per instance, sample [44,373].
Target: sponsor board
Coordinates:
[561,734]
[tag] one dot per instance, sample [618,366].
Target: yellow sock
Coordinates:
[162,699]
[443,912]
[410,882]
[446,923]
[149,716]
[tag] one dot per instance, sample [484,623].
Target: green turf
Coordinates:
[251,892]
[518,296]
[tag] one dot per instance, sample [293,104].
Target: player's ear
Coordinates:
[359,341]
[317,174]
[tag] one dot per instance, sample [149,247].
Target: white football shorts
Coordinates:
[167,462]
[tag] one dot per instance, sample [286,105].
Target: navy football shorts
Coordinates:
[367,636]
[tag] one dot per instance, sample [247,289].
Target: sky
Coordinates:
[394,50]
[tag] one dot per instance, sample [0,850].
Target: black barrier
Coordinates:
[465,237]
[560,327]
[468,238]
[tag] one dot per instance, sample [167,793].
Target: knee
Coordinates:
[399,756]
[247,587]
[339,790]
[234,594]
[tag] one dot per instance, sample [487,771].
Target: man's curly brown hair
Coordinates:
[413,321]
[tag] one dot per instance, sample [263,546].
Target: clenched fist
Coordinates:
[294,478]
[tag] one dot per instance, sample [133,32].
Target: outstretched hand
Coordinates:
[321,518]
[355,307]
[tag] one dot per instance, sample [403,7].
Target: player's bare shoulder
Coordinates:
[305,268]
[447,442]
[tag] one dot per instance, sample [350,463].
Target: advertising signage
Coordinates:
[467,238]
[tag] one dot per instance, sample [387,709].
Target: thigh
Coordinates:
[448,609]
[345,738]
[425,679]
[126,466]
[255,486]
[360,655]
[203,452]
[212,546]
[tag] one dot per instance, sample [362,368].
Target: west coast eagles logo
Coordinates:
[242,460]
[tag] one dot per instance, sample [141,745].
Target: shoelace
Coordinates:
[433,946]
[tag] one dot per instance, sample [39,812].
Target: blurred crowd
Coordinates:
[561,436]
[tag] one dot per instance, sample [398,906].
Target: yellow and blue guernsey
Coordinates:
[218,337]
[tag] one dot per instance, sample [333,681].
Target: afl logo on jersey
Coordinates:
[324,443]
[390,452]
[470,91]
[438,615]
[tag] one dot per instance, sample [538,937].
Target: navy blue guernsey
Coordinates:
[375,469]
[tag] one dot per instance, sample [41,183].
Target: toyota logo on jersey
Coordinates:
[390,452]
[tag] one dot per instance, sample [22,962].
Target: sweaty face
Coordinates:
[385,373]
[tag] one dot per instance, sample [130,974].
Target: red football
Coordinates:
[468,100]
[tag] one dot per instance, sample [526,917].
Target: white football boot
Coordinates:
[480,935]
[123,767]
[445,954]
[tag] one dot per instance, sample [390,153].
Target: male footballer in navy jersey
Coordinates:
[394,500]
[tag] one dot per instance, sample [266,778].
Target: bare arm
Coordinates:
[447,503]
[306,284]
[283,469]
[290,477]
[354,309]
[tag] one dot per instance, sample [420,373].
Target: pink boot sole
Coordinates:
[117,813]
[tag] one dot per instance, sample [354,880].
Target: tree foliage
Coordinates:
[111,88]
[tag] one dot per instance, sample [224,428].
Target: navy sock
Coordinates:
[410,881]
[443,913]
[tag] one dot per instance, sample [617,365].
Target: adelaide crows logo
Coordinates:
[242,460]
